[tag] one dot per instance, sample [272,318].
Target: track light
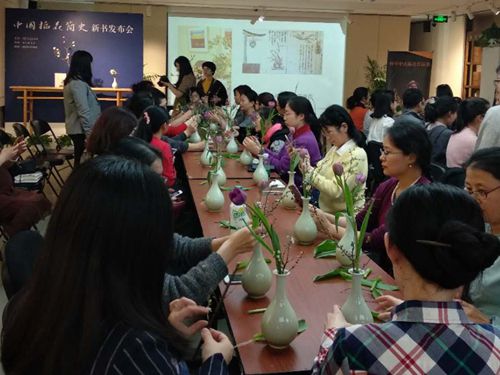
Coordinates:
[494,9]
[257,17]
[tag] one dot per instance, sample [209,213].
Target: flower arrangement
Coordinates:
[238,196]
[113,72]
[266,120]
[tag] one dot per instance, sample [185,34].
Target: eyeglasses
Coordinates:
[385,153]
[481,194]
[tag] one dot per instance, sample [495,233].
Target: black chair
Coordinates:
[41,127]
[437,172]
[21,253]
[455,177]
[375,171]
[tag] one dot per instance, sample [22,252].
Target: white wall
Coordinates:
[447,42]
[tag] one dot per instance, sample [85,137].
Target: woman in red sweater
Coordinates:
[152,125]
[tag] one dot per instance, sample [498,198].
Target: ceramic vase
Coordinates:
[355,309]
[287,199]
[305,228]
[214,200]
[238,215]
[232,146]
[195,137]
[260,173]
[345,247]
[206,156]
[115,83]
[221,175]
[246,158]
[257,278]
[279,322]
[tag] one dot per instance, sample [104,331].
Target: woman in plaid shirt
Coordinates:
[444,248]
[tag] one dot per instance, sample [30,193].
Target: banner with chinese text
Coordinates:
[409,69]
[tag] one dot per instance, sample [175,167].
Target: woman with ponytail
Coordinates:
[356,104]
[436,243]
[462,143]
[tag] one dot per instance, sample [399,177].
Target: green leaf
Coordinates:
[375,282]
[204,182]
[257,311]
[368,271]
[329,275]
[259,337]
[375,314]
[229,188]
[376,293]
[325,249]
[230,156]
[226,224]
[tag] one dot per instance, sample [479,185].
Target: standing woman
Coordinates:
[81,108]
[357,106]
[185,81]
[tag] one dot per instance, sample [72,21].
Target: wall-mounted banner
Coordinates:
[39,44]
[409,69]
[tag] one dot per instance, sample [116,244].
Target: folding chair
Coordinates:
[41,127]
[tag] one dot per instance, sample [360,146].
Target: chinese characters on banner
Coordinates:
[74,27]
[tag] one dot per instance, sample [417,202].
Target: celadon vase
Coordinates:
[355,309]
[246,158]
[305,228]
[115,83]
[238,216]
[279,322]
[195,137]
[232,146]
[214,200]
[221,175]
[260,173]
[287,198]
[257,278]
[206,156]
[345,247]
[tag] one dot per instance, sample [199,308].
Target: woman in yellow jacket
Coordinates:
[346,141]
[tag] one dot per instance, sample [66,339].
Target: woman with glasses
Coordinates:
[405,158]
[340,132]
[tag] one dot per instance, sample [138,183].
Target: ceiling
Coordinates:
[383,7]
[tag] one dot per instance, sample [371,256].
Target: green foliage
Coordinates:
[325,249]
[489,37]
[375,75]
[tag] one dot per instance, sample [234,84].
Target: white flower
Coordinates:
[113,72]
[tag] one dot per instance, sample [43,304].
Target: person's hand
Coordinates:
[385,304]
[239,242]
[251,145]
[192,126]
[183,310]
[473,313]
[10,153]
[305,164]
[216,342]
[321,220]
[336,319]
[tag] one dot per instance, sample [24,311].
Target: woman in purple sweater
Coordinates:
[405,159]
[299,116]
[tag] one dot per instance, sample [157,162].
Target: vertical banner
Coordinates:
[39,44]
[409,69]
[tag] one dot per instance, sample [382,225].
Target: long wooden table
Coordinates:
[311,301]
[28,94]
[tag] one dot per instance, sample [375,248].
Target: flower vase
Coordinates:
[238,217]
[257,278]
[305,228]
[232,146]
[279,322]
[260,173]
[221,175]
[246,158]
[115,83]
[355,309]
[345,247]
[287,199]
[214,200]
[206,156]
[195,137]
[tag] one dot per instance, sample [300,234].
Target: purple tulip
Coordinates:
[360,179]
[207,115]
[218,139]
[237,196]
[338,169]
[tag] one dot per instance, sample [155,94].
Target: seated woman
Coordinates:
[405,158]
[463,141]
[93,303]
[19,209]
[299,114]
[383,110]
[444,248]
[339,131]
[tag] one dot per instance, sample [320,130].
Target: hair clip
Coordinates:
[433,243]
[146,118]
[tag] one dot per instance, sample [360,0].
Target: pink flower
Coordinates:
[237,196]
[302,152]
[263,185]
[360,178]
[218,139]
[271,104]
[207,115]
[338,169]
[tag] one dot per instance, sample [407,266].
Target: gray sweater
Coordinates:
[195,271]
[489,132]
[81,107]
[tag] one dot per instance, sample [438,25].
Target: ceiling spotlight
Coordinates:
[494,9]
[470,15]
[261,18]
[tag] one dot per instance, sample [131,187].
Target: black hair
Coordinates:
[185,68]
[486,159]
[383,102]
[100,265]
[210,65]
[412,98]
[373,96]
[468,110]
[139,102]
[356,100]
[444,90]
[144,85]
[250,94]
[284,97]
[442,106]
[80,68]
[446,244]
[152,120]
[411,138]
[302,106]
[197,90]
[136,149]
[265,98]
[241,88]
[335,115]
